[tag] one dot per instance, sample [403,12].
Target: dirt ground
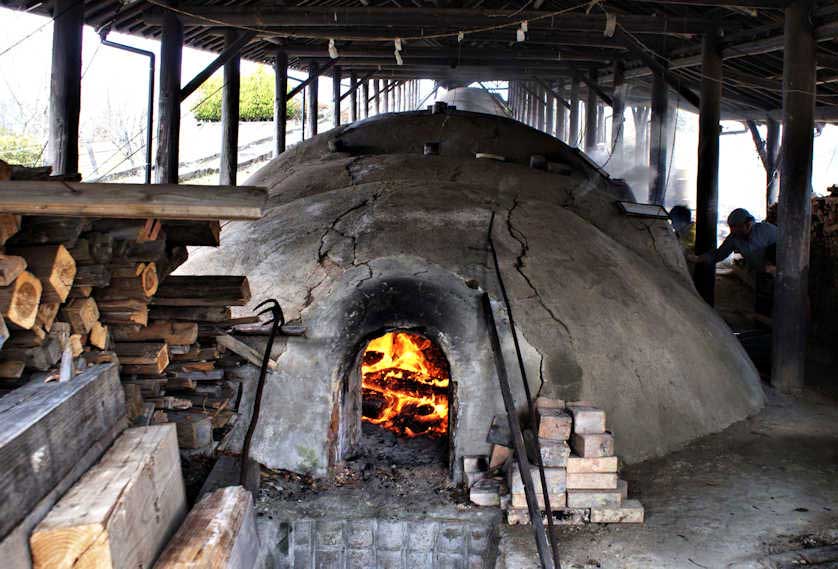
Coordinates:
[764,485]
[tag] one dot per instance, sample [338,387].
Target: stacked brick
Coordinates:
[580,467]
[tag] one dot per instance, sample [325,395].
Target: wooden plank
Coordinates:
[123,311]
[14,547]
[163,201]
[219,532]
[170,332]
[191,313]
[45,428]
[122,512]
[240,348]
[206,290]
[143,353]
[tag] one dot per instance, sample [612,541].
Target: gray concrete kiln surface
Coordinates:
[763,486]
[364,233]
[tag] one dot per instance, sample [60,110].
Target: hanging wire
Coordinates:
[512,24]
[39,28]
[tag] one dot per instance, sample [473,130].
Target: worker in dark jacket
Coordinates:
[755,241]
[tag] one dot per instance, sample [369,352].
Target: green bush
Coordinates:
[256,99]
[19,149]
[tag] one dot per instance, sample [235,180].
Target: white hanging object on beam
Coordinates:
[333,51]
[398,57]
[398,43]
[610,25]
[524,26]
[460,37]
[520,35]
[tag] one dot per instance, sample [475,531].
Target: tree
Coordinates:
[256,100]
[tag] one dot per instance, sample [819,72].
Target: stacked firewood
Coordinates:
[823,266]
[78,291]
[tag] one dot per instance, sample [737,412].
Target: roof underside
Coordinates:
[564,39]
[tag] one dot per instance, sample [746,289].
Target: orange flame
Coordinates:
[405,385]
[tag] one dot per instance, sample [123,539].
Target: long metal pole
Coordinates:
[149,124]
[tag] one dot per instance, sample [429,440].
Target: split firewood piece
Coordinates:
[93,249]
[123,311]
[47,311]
[195,233]
[139,251]
[99,336]
[170,332]
[9,225]
[19,301]
[219,532]
[209,290]
[93,275]
[31,338]
[82,314]
[197,354]
[154,355]
[50,230]
[122,512]
[77,342]
[80,292]
[194,430]
[12,369]
[41,358]
[54,265]
[240,348]
[10,268]
[141,287]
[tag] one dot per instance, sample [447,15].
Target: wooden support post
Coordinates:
[168,100]
[65,86]
[313,73]
[377,83]
[549,121]
[618,111]
[659,145]
[573,134]
[788,350]
[353,96]
[541,106]
[590,116]
[280,99]
[336,96]
[386,96]
[600,123]
[772,150]
[707,185]
[365,99]
[641,134]
[561,113]
[230,115]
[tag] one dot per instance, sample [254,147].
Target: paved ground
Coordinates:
[764,485]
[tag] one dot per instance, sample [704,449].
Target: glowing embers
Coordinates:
[405,385]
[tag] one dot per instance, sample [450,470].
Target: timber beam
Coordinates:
[304,84]
[228,54]
[272,16]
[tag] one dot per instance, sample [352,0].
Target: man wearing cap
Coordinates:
[755,241]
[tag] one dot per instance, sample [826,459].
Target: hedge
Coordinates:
[256,99]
